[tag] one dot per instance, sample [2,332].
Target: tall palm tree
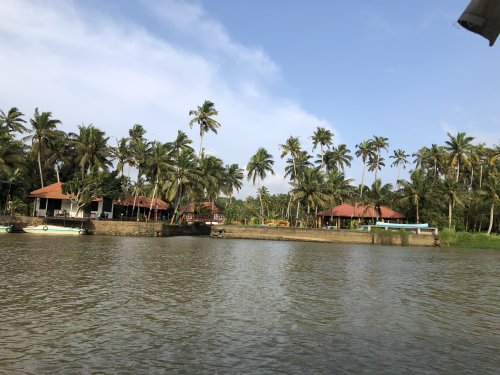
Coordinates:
[459,147]
[451,192]
[11,155]
[379,143]
[181,142]
[233,179]
[323,138]
[59,150]
[366,151]
[292,147]
[92,148]
[338,158]
[491,191]
[415,190]
[121,153]
[203,117]
[375,164]
[400,160]
[257,168]
[157,164]
[213,171]
[43,128]
[311,190]
[379,194]
[12,122]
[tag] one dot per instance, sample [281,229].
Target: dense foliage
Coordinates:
[453,185]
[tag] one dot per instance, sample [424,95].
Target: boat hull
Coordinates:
[54,230]
[5,229]
[402,226]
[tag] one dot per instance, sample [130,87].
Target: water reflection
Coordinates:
[156,305]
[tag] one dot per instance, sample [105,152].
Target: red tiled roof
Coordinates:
[141,201]
[346,210]
[209,206]
[53,191]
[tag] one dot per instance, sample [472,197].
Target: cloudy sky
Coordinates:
[403,70]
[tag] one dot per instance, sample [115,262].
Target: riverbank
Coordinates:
[452,238]
[399,238]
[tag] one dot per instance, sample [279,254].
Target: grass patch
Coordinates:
[390,237]
[450,237]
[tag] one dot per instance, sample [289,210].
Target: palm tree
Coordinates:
[379,143]
[459,147]
[181,142]
[213,171]
[491,191]
[43,127]
[365,151]
[59,150]
[257,168]
[121,153]
[338,187]
[323,138]
[233,178]
[92,148]
[12,121]
[414,190]
[311,190]
[338,158]
[203,117]
[11,155]
[292,147]
[375,164]
[379,195]
[400,160]
[157,164]
[450,191]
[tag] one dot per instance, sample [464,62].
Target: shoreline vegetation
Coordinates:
[454,185]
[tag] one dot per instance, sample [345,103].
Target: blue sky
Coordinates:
[403,70]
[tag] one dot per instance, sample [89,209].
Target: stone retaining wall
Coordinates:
[320,235]
[126,228]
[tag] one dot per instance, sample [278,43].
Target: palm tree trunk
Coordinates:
[57,172]
[152,200]
[40,164]
[450,212]
[136,195]
[362,179]
[458,170]
[201,144]
[480,176]
[492,209]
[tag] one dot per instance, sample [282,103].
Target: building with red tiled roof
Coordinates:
[342,216]
[131,206]
[202,212]
[50,201]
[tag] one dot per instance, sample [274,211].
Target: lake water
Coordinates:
[191,305]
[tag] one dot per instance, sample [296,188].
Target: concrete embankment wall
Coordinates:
[141,229]
[321,235]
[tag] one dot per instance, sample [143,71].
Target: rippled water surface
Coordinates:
[198,305]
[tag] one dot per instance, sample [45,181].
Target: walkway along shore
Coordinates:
[152,229]
[398,238]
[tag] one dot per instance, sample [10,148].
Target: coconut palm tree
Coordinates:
[43,128]
[292,147]
[375,164]
[379,143]
[459,148]
[450,190]
[366,151]
[491,192]
[121,153]
[338,158]
[311,190]
[323,138]
[11,155]
[415,190]
[379,195]
[181,142]
[233,179]
[203,117]
[257,168]
[92,148]
[12,122]
[400,160]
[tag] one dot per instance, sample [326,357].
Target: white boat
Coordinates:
[5,229]
[55,229]
[402,226]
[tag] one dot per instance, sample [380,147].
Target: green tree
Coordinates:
[379,143]
[491,192]
[400,160]
[203,117]
[323,138]
[12,122]
[366,151]
[257,168]
[43,130]
[415,190]
[459,148]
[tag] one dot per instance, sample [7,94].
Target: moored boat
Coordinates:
[407,226]
[55,229]
[5,229]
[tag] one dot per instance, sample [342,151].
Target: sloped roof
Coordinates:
[346,210]
[209,206]
[53,191]
[141,201]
